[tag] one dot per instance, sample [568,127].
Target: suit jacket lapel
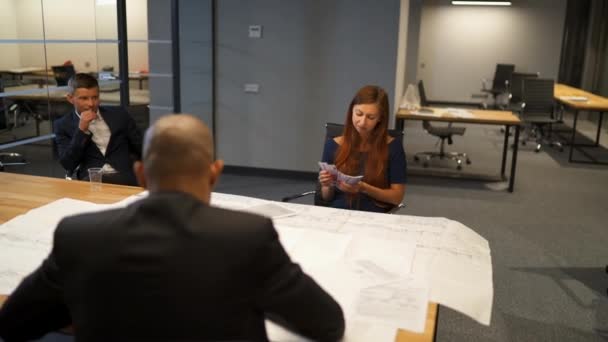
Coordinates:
[74,121]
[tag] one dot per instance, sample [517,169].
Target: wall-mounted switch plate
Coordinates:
[255,31]
[252,87]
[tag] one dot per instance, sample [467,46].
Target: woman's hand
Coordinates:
[351,189]
[325,178]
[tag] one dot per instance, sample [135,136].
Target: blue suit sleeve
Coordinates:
[70,145]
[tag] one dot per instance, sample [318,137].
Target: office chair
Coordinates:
[333,130]
[444,133]
[516,101]
[500,83]
[141,114]
[10,118]
[517,90]
[11,159]
[63,73]
[539,110]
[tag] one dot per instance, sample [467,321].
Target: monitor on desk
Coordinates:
[63,73]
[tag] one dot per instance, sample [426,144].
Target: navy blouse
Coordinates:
[395,174]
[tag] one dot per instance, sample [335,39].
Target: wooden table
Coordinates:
[21,193]
[594,103]
[484,117]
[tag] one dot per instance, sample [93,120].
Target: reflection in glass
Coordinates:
[70,19]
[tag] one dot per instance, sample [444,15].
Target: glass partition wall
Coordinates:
[42,43]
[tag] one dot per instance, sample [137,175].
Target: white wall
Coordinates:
[9,57]
[460,45]
[137,28]
[29,27]
[71,19]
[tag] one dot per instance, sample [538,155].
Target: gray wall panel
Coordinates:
[196,51]
[312,57]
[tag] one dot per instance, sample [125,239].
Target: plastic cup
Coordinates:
[95,176]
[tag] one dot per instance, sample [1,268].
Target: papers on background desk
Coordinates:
[457,112]
[382,269]
[427,112]
[442,112]
[574,98]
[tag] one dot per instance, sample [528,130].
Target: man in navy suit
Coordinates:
[170,267]
[94,136]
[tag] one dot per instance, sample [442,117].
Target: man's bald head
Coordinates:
[177,148]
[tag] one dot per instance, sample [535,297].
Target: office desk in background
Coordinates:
[53,94]
[483,117]
[21,193]
[18,73]
[43,74]
[580,100]
[140,77]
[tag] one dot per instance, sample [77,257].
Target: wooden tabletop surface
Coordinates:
[593,102]
[21,193]
[481,116]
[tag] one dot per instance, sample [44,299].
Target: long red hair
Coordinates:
[348,156]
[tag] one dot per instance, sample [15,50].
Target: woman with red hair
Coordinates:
[365,148]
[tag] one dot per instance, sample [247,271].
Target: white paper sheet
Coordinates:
[270,210]
[461,273]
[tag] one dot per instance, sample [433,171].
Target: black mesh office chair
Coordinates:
[516,100]
[444,133]
[539,110]
[501,82]
[11,159]
[333,130]
[63,73]
[141,114]
[517,90]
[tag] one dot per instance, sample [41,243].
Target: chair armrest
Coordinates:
[484,84]
[396,208]
[292,197]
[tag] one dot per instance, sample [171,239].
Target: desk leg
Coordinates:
[573,135]
[505,148]
[399,124]
[514,159]
[599,129]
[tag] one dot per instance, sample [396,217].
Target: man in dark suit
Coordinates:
[170,267]
[94,136]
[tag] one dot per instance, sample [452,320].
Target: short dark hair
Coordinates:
[82,80]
